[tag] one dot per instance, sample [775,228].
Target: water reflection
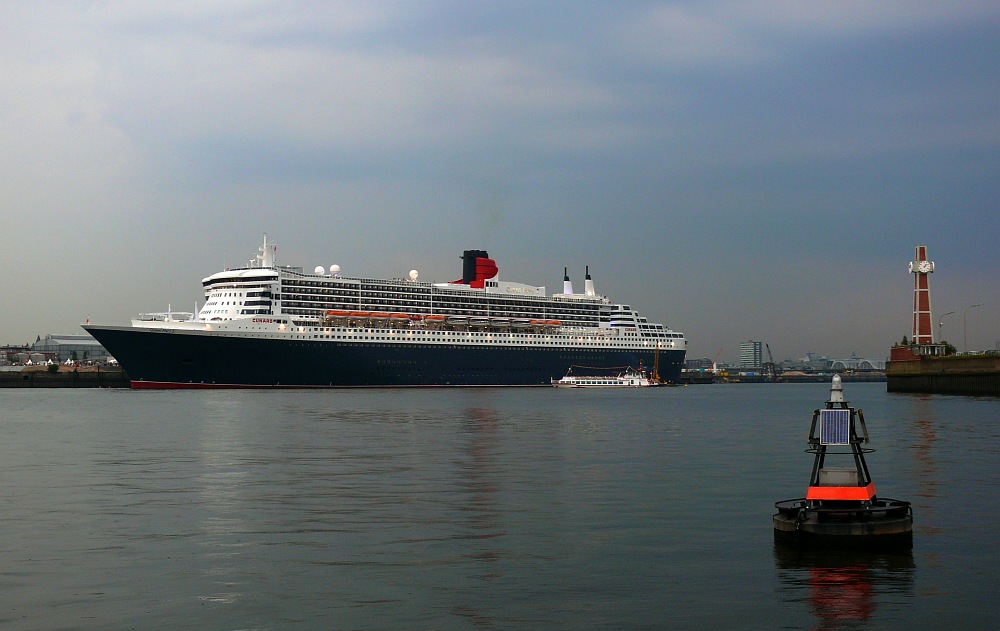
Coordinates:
[925,436]
[481,516]
[221,479]
[481,476]
[842,588]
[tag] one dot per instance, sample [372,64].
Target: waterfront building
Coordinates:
[703,363]
[751,354]
[61,348]
[13,354]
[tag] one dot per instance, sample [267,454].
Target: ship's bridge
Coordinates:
[238,293]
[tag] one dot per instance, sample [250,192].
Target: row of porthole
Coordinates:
[545,342]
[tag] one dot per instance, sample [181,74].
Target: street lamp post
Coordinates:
[965,326]
[941,323]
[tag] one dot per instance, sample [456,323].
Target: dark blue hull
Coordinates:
[190,360]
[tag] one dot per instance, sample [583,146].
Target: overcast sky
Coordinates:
[736,170]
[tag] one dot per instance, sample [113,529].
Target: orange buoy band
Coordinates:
[841,492]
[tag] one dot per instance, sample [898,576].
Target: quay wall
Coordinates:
[64,379]
[976,375]
[707,378]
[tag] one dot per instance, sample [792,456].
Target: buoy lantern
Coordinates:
[841,505]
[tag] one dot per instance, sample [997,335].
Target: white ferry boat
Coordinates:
[269,325]
[627,378]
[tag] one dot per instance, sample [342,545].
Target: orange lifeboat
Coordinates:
[358,314]
[336,314]
[434,318]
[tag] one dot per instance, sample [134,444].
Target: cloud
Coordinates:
[670,137]
[60,150]
[691,35]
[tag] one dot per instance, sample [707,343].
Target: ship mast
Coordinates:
[265,257]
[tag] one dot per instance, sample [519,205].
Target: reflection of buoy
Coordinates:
[841,504]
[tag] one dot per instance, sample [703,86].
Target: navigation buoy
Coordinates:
[841,505]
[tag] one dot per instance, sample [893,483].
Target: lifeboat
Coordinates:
[434,318]
[357,318]
[400,317]
[378,315]
[553,323]
[337,314]
[479,321]
[457,320]
[520,323]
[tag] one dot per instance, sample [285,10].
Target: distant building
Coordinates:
[813,363]
[858,364]
[61,348]
[13,354]
[751,354]
[698,364]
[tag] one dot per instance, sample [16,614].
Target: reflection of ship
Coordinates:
[267,325]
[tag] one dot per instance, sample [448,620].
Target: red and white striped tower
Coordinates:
[923,331]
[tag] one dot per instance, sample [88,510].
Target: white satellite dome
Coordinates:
[319,270]
[334,269]
[413,274]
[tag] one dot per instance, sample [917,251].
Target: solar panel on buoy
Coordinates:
[835,426]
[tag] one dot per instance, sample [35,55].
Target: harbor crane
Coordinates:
[770,370]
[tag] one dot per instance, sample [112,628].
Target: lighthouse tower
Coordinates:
[921,268]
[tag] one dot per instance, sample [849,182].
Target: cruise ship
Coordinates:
[275,326]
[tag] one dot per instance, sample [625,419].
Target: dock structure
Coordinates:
[974,375]
[100,378]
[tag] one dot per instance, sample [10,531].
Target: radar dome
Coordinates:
[413,274]
[334,269]
[319,270]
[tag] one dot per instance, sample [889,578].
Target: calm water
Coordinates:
[477,509]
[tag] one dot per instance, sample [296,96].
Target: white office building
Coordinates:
[751,354]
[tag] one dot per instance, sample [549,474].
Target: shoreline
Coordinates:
[89,377]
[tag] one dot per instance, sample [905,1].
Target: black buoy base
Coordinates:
[881,523]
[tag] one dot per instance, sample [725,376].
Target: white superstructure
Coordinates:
[266,298]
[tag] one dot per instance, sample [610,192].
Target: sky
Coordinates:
[736,170]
